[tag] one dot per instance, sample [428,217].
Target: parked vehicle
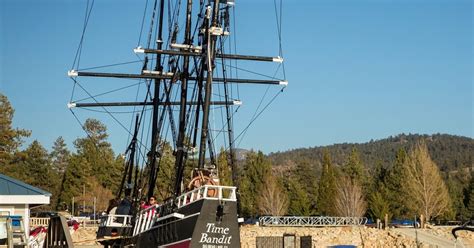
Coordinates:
[405,223]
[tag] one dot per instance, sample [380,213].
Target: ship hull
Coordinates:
[205,223]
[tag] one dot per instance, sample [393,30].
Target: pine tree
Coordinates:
[98,157]
[74,179]
[10,138]
[165,182]
[300,203]
[469,198]
[35,165]
[351,187]
[255,169]
[395,180]
[353,167]
[60,155]
[327,186]
[377,197]
[308,178]
[378,206]
[225,172]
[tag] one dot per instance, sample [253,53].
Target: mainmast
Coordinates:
[210,52]
[156,97]
[181,152]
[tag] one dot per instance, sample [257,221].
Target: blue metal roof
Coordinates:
[11,186]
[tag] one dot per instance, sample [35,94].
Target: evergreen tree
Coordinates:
[395,181]
[35,165]
[165,182]
[60,155]
[256,169]
[300,203]
[469,198]
[327,186]
[98,157]
[10,138]
[378,204]
[353,167]
[351,187]
[74,178]
[225,172]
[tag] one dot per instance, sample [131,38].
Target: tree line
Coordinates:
[91,171]
[408,183]
[412,185]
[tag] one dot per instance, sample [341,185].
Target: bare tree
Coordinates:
[272,199]
[349,201]
[425,188]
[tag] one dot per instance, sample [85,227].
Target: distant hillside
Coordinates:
[451,153]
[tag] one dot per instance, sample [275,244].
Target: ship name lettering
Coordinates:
[212,228]
[215,240]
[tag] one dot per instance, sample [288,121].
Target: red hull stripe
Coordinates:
[183,244]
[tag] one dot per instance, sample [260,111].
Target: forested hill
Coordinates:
[449,152]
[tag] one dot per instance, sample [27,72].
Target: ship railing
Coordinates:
[212,192]
[115,220]
[146,218]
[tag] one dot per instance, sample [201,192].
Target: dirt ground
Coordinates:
[321,237]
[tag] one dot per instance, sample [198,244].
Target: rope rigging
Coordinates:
[168,122]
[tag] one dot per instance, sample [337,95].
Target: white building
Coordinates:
[17,198]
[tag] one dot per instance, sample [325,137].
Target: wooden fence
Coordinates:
[36,222]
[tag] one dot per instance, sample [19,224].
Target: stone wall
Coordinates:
[329,236]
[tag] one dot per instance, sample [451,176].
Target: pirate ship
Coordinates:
[191,78]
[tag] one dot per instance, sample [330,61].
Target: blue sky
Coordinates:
[357,70]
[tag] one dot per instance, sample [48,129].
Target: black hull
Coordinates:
[205,223]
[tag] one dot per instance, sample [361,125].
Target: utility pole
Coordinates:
[83,198]
[94,207]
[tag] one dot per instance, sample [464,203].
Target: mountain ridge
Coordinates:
[449,152]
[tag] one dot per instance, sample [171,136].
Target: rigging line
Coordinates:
[235,49]
[82,35]
[105,109]
[111,91]
[134,108]
[279,19]
[77,58]
[73,89]
[104,66]
[143,23]
[85,131]
[219,90]
[117,112]
[152,23]
[243,132]
[225,126]
[249,71]
[255,116]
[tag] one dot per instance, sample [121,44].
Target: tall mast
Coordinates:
[211,43]
[181,153]
[156,97]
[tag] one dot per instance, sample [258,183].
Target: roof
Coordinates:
[10,186]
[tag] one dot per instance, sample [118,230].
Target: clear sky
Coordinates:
[357,70]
